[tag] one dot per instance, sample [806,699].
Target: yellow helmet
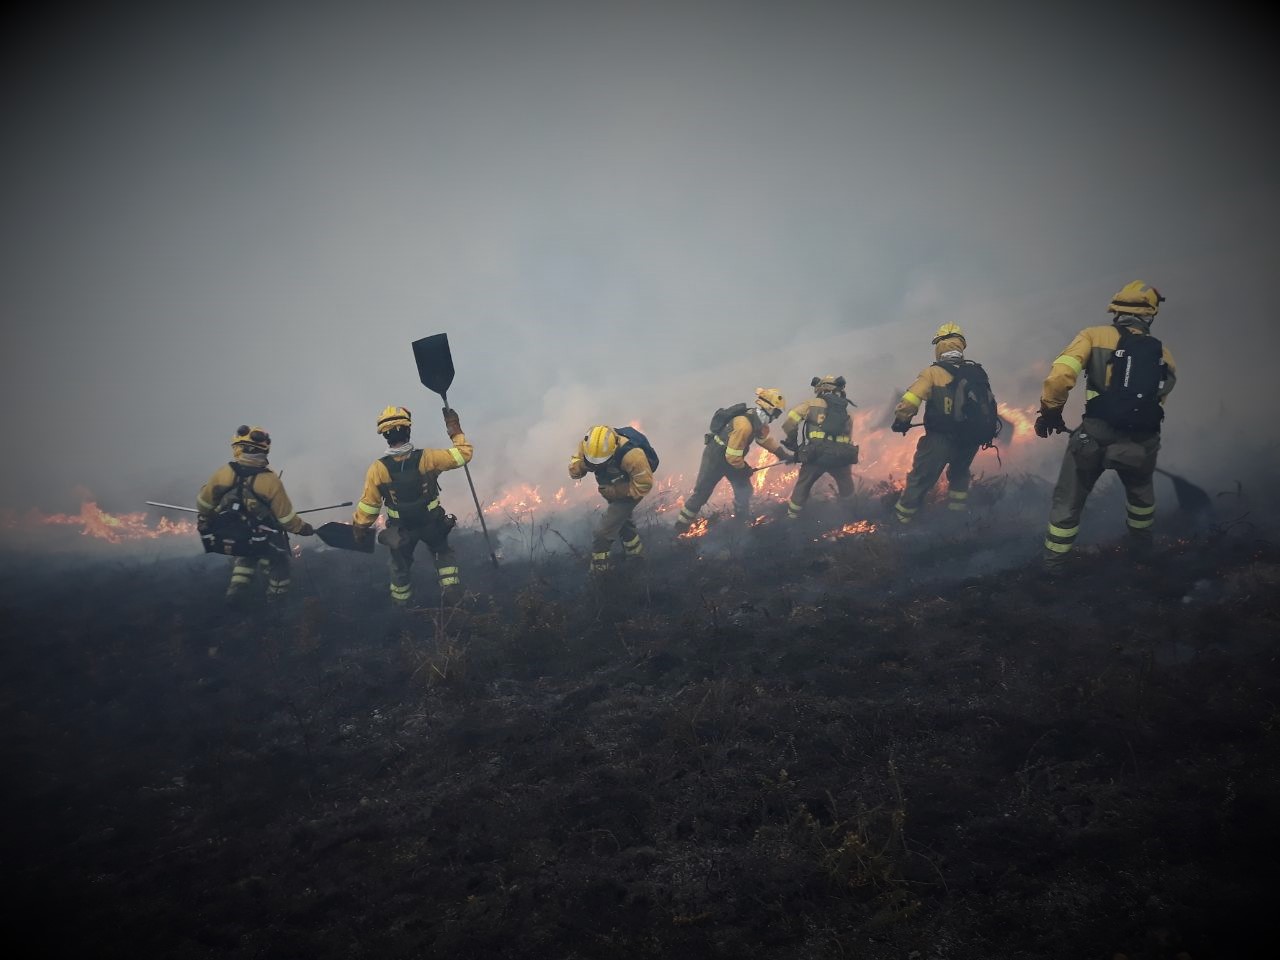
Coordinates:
[1137,298]
[600,444]
[949,330]
[770,401]
[253,438]
[828,384]
[392,417]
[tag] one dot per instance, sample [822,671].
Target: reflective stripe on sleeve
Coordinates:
[795,416]
[733,452]
[284,520]
[458,458]
[1071,362]
[910,397]
[368,508]
[201,503]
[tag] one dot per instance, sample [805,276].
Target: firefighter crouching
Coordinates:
[243,511]
[724,456]
[1129,373]
[959,418]
[623,466]
[407,482]
[818,430]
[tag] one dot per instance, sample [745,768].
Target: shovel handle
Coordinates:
[479,512]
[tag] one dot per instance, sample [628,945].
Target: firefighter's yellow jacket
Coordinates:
[813,410]
[742,431]
[932,378]
[625,477]
[1090,353]
[429,461]
[263,495]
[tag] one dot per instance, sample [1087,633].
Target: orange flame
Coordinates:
[857,529]
[697,529]
[97,523]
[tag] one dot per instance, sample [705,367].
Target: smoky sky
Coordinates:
[226,213]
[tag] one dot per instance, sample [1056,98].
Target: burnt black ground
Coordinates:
[759,744]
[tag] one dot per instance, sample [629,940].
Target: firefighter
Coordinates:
[818,430]
[406,481]
[623,463]
[243,509]
[959,418]
[724,454]
[1129,373]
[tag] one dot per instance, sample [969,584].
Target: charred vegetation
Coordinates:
[825,739]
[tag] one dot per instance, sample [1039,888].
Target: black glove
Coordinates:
[306,530]
[901,426]
[789,443]
[1049,421]
[451,423]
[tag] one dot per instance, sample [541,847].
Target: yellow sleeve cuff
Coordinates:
[1070,362]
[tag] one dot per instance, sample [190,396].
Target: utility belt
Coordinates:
[822,450]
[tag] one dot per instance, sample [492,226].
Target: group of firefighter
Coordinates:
[1128,372]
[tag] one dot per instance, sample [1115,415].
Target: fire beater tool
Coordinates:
[776,463]
[435,370]
[1191,499]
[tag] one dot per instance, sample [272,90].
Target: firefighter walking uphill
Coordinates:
[406,481]
[959,418]
[623,462]
[1129,374]
[243,511]
[818,430]
[732,430]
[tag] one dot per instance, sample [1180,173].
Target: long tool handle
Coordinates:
[479,513]
[332,506]
[770,466]
[174,506]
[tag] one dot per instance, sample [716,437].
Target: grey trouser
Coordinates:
[809,474]
[400,560]
[616,523]
[275,565]
[711,471]
[1093,448]
[936,452]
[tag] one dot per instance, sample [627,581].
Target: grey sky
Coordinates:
[616,211]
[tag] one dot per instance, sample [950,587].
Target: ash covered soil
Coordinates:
[760,743]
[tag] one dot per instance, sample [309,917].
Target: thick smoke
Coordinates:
[617,212]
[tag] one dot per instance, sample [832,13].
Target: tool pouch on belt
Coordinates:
[1125,455]
[828,453]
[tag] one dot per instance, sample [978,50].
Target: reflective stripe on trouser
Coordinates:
[712,469]
[600,561]
[1093,448]
[935,452]
[809,475]
[614,524]
[275,567]
[400,562]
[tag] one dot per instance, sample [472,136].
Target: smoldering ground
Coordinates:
[770,742]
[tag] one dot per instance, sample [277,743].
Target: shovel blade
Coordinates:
[435,362]
[340,535]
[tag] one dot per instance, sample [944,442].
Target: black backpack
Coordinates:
[233,530]
[725,415]
[641,441]
[974,417]
[1130,400]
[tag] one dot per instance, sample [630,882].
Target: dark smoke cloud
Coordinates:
[617,211]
